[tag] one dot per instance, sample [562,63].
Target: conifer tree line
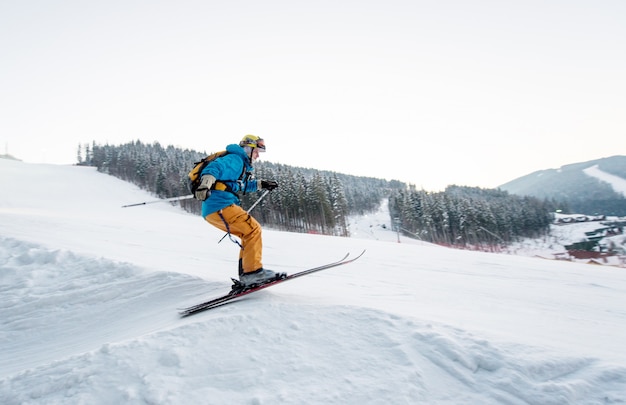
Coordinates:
[470,216]
[315,201]
[307,200]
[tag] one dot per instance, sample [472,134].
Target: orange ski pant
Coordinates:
[238,222]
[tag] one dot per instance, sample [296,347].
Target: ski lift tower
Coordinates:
[396,223]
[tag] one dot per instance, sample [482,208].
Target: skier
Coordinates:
[221,180]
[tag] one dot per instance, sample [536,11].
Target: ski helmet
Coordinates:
[253,141]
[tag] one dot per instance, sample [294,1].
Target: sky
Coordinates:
[430,93]
[88,311]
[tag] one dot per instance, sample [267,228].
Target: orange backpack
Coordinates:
[195,175]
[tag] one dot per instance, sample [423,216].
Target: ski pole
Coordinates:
[186,197]
[257,201]
[249,209]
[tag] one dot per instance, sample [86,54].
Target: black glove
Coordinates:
[269,184]
[204,189]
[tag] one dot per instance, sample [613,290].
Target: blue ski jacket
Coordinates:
[235,171]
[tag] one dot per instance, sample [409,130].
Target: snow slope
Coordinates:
[89,291]
[617,183]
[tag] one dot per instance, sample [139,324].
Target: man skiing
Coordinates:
[221,180]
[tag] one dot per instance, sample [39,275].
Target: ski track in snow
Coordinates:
[83,320]
[617,183]
[399,360]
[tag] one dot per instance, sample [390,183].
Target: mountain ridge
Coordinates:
[576,190]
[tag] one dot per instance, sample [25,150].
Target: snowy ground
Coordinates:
[89,291]
[617,183]
[553,245]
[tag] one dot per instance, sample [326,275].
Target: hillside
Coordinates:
[586,188]
[89,291]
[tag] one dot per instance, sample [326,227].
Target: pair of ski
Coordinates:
[239,292]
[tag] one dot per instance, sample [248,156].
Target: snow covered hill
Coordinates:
[595,187]
[89,291]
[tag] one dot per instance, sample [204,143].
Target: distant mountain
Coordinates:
[579,192]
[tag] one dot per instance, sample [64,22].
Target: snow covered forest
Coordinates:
[308,200]
[314,201]
[471,216]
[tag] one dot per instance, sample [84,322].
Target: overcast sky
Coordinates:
[431,93]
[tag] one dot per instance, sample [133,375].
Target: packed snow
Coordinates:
[617,183]
[90,291]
